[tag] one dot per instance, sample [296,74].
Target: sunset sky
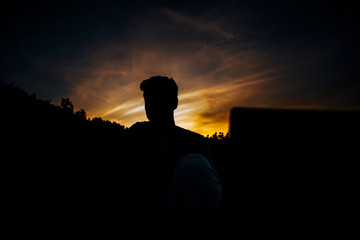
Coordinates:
[302,54]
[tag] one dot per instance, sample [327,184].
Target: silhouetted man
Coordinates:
[172,166]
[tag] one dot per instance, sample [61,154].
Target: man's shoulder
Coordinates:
[139,128]
[187,134]
[194,143]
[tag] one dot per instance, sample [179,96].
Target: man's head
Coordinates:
[160,95]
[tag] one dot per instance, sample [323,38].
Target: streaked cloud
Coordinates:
[216,62]
[205,26]
[213,75]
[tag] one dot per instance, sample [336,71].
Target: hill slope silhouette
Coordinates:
[63,167]
[58,163]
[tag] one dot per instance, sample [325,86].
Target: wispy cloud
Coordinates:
[213,73]
[199,25]
[211,77]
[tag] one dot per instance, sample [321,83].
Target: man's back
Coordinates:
[154,156]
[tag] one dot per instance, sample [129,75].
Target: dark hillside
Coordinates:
[56,160]
[61,165]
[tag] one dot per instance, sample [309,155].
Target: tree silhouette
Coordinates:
[221,135]
[215,136]
[67,105]
[81,114]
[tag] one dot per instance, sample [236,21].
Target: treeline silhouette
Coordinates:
[59,162]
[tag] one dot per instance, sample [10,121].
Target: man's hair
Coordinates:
[164,85]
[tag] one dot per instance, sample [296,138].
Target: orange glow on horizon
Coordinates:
[213,76]
[204,111]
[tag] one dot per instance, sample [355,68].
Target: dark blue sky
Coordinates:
[87,51]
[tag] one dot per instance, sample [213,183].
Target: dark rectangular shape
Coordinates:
[310,132]
[290,167]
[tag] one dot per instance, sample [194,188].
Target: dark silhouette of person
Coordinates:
[172,167]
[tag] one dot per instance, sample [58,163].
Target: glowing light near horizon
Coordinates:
[212,77]
[192,106]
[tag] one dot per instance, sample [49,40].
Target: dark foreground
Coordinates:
[285,173]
